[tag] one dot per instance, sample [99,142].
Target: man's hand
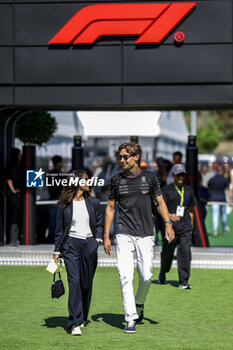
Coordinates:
[107,246]
[169,233]
[174,217]
[56,257]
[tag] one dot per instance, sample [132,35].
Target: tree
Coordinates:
[224,121]
[35,128]
[208,137]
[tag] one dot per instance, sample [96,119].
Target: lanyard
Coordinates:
[181,193]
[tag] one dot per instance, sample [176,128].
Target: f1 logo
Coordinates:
[153,22]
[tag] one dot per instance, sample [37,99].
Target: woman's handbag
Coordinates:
[57,288]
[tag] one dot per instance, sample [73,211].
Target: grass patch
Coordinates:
[200,318]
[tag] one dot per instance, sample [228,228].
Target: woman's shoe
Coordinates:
[75,330]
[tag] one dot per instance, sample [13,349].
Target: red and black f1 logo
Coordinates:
[152,22]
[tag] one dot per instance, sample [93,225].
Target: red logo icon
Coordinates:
[179,37]
[153,22]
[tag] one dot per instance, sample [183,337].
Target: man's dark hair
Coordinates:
[56,160]
[178,153]
[131,148]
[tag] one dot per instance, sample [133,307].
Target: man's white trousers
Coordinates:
[143,247]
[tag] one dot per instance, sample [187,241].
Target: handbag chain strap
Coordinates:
[54,275]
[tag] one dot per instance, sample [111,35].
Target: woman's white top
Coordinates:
[80,227]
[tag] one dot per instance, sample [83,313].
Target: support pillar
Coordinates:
[29,199]
[77,154]
[200,237]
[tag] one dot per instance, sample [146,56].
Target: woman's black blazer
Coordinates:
[64,219]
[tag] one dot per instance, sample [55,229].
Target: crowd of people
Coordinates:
[215,186]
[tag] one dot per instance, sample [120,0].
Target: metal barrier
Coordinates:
[51,202]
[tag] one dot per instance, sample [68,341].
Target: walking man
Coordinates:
[179,198]
[218,185]
[134,190]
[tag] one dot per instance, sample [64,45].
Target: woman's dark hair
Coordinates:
[69,192]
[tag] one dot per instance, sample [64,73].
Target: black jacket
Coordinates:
[64,219]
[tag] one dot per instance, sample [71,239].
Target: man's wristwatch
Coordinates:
[168,222]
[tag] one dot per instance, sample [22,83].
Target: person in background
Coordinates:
[15,182]
[54,194]
[88,171]
[205,175]
[215,168]
[228,175]
[179,199]
[97,168]
[227,171]
[114,167]
[79,231]
[155,169]
[110,168]
[203,195]
[163,165]
[218,184]
[177,159]
[102,192]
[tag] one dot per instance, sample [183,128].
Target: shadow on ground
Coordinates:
[115,320]
[54,322]
[172,283]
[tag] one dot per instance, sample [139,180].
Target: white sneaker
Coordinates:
[83,324]
[76,330]
[185,286]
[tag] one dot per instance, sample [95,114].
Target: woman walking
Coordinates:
[79,231]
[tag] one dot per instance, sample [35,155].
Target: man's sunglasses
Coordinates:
[181,175]
[126,156]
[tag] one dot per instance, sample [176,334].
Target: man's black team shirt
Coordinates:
[134,202]
[172,200]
